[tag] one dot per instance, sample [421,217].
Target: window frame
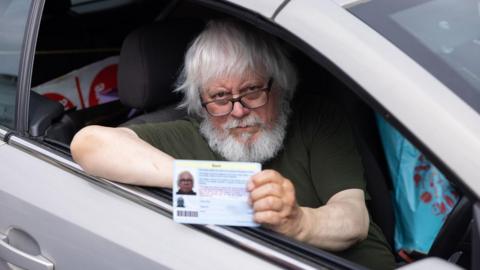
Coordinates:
[26,67]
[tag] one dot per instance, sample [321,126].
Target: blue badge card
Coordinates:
[212,192]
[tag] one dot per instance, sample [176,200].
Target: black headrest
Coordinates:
[150,62]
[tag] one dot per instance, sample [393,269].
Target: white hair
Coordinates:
[227,48]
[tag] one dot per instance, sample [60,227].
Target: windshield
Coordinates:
[441,35]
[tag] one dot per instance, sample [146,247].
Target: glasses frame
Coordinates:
[239,99]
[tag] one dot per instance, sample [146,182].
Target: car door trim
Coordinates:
[3,134]
[135,194]
[26,66]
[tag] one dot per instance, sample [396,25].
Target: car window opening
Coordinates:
[75,83]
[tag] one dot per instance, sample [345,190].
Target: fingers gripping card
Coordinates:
[212,192]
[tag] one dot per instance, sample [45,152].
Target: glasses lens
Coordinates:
[219,107]
[251,100]
[255,99]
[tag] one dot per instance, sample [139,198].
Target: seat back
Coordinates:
[150,62]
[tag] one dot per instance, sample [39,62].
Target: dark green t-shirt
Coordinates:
[318,156]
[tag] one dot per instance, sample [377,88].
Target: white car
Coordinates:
[416,62]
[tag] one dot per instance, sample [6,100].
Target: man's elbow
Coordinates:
[352,237]
[357,229]
[362,234]
[84,144]
[361,227]
[349,238]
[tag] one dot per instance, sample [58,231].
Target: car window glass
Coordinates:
[13,18]
[441,35]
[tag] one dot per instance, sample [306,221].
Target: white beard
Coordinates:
[266,145]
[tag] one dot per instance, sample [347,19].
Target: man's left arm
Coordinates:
[340,223]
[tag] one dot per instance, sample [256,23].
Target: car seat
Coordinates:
[60,30]
[150,62]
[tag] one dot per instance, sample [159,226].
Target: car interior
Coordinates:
[150,39]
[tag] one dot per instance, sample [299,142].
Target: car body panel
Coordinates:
[349,3]
[394,80]
[430,263]
[99,229]
[265,8]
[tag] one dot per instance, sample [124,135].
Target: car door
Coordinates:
[52,215]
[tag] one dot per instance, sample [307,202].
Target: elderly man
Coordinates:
[238,88]
[185,184]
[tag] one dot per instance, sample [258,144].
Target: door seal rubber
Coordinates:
[7,136]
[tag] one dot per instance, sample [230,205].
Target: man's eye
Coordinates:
[253,88]
[219,95]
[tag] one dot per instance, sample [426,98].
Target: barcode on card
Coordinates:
[183,213]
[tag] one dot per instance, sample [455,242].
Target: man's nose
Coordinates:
[239,110]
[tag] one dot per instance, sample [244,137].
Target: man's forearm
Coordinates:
[118,154]
[335,226]
[339,224]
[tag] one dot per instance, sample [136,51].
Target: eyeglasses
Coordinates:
[253,97]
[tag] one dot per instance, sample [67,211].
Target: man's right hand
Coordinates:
[273,201]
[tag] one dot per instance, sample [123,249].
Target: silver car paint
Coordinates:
[265,8]
[430,263]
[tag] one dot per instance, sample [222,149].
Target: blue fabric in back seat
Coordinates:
[423,197]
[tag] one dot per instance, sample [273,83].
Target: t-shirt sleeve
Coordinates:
[335,164]
[179,139]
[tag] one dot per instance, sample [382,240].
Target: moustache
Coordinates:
[251,120]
